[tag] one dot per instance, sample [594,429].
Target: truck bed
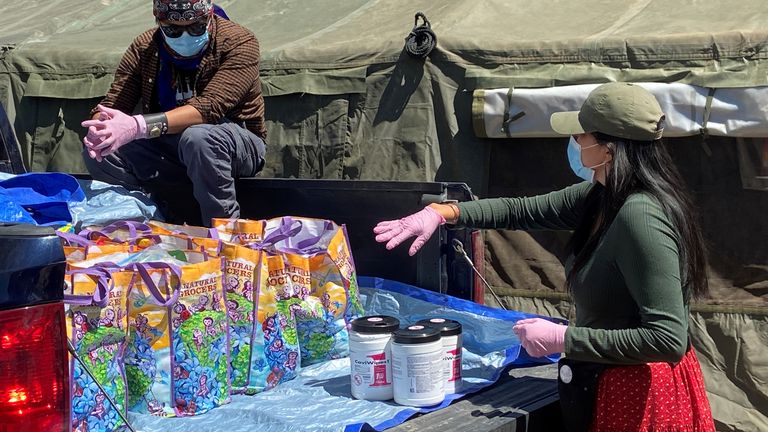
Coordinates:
[523,400]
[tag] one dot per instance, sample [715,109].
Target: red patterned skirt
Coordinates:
[655,397]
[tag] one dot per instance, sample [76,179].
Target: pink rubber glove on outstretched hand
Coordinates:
[541,337]
[420,225]
[107,135]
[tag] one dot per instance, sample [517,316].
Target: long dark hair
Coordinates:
[642,166]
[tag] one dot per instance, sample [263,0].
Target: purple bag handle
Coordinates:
[74,239]
[143,270]
[287,229]
[133,228]
[328,226]
[306,246]
[100,296]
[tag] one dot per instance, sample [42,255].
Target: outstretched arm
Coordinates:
[559,210]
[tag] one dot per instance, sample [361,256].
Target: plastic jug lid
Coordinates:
[417,334]
[375,324]
[447,327]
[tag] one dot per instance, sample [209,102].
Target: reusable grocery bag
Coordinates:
[98,326]
[275,333]
[121,236]
[200,238]
[314,277]
[177,361]
[78,248]
[263,338]
[240,266]
[117,232]
[200,336]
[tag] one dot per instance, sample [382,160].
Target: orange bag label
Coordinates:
[243,231]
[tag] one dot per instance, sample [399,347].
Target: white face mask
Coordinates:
[577,166]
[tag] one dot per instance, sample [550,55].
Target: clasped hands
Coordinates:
[112,130]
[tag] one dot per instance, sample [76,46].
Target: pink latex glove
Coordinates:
[92,138]
[112,130]
[421,225]
[541,337]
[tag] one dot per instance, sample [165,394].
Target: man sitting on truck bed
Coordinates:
[196,75]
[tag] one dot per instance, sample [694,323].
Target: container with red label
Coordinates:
[417,368]
[450,332]
[370,357]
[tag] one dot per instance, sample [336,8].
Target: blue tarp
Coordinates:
[319,399]
[38,198]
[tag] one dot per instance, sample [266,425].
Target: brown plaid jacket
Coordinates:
[227,82]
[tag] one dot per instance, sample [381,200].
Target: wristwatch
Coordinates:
[157,124]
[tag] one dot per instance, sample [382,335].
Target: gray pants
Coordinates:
[208,156]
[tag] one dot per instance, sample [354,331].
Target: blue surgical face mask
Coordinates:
[186,45]
[574,159]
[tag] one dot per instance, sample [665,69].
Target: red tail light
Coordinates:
[34,374]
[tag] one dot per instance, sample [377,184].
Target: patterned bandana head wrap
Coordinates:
[181,10]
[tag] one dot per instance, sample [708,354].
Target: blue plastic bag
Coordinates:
[39,198]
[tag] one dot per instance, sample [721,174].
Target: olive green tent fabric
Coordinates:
[346,52]
[541,43]
[344,101]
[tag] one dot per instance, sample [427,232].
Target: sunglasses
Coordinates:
[197,28]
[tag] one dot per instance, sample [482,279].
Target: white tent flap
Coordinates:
[525,112]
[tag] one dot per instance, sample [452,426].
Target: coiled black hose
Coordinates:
[421,40]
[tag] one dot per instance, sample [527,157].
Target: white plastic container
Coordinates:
[370,357]
[450,332]
[417,368]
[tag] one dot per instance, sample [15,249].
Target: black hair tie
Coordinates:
[421,40]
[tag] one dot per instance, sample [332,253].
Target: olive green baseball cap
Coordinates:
[622,110]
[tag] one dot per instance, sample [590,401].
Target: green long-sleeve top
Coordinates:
[628,296]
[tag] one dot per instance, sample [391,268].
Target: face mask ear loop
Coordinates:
[611,148]
[602,163]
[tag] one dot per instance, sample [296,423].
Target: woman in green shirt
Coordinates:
[637,260]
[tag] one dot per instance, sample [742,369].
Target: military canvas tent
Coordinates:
[344,101]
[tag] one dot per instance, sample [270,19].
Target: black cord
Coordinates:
[421,40]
